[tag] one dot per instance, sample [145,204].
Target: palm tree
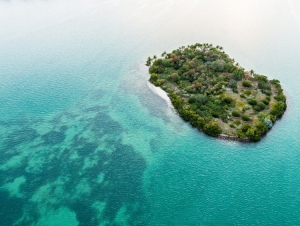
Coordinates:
[154,57]
[148,62]
[252,72]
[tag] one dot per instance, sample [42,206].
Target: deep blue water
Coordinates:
[85,141]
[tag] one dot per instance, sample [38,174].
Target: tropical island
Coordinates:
[215,94]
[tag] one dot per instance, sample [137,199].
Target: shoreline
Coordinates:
[232,138]
[160,92]
[163,94]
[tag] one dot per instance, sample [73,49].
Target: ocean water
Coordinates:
[86,140]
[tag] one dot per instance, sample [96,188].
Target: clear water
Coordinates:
[85,141]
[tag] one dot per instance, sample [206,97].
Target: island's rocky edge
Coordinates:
[215,94]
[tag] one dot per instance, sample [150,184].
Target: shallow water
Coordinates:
[86,141]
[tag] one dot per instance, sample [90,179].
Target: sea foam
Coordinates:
[158,91]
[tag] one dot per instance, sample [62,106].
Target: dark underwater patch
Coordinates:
[63,129]
[122,167]
[85,214]
[20,136]
[53,137]
[124,175]
[122,185]
[87,149]
[10,209]
[103,124]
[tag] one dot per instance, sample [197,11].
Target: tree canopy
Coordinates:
[213,92]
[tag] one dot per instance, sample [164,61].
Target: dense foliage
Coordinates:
[212,128]
[215,94]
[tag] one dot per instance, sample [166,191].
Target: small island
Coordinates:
[215,94]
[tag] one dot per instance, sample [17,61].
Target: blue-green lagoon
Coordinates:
[86,140]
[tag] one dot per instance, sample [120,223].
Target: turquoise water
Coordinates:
[85,140]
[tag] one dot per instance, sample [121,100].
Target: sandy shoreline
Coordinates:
[158,91]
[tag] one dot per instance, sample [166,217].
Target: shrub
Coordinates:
[217,102]
[240,134]
[183,69]
[153,77]
[185,114]
[238,74]
[252,102]
[266,102]
[242,96]
[280,97]
[261,127]
[183,84]
[272,118]
[278,109]
[261,116]
[213,82]
[165,62]
[253,134]
[267,92]
[174,77]
[264,85]
[167,71]
[245,127]
[247,92]
[275,81]
[197,120]
[268,98]
[198,98]
[236,114]
[212,128]
[261,78]
[278,86]
[227,100]
[237,122]
[159,82]
[232,84]
[156,69]
[218,65]
[176,100]
[261,105]
[246,83]
[224,118]
[232,125]
[246,117]
[215,114]
[246,108]
[256,108]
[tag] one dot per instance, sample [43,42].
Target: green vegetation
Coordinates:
[246,83]
[212,128]
[236,114]
[245,117]
[215,94]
